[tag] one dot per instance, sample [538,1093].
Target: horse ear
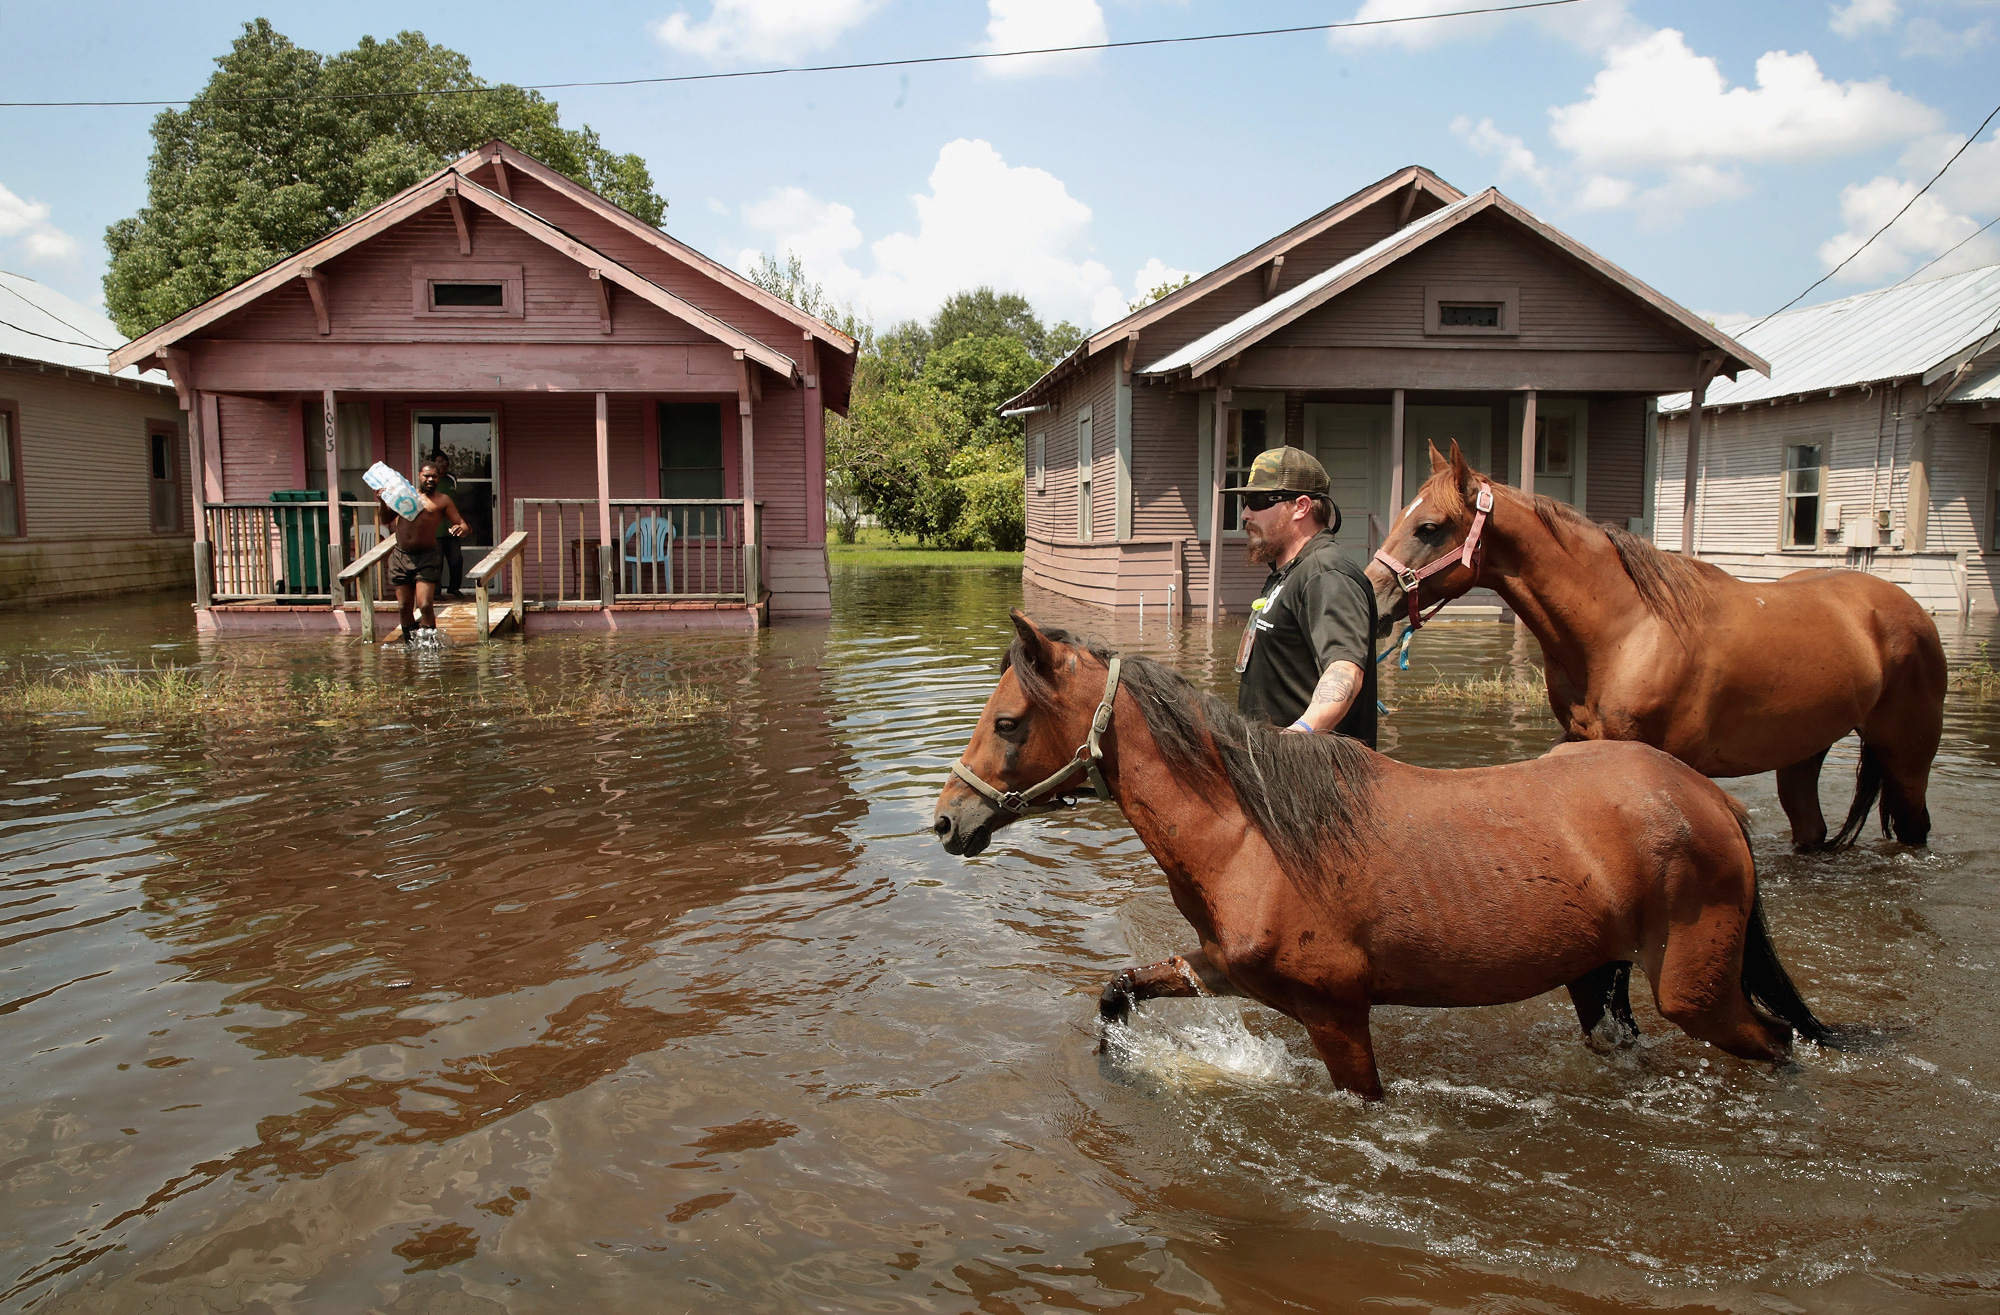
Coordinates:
[1437,458]
[1034,644]
[1460,471]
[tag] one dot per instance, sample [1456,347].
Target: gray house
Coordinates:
[1871,445]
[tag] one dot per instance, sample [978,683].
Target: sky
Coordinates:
[1728,152]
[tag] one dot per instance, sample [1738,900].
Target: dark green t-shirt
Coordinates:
[1319,609]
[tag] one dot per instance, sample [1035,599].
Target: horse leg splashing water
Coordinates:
[1322,879]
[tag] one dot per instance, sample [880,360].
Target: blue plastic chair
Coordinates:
[649,542]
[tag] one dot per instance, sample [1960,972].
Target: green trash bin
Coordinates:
[301,516]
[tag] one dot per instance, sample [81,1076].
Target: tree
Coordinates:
[283,146]
[1161,290]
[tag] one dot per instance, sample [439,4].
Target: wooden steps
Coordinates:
[459,622]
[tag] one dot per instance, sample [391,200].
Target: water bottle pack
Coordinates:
[400,495]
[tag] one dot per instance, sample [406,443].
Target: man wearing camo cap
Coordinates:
[1307,660]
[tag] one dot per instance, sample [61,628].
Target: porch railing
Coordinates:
[662,549]
[278,550]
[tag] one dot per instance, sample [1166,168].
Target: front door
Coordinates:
[1423,426]
[1349,440]
[468,441]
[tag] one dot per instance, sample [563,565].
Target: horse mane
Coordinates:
[1678,590]
[1307,794]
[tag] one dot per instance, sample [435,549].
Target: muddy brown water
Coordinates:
[466,1015]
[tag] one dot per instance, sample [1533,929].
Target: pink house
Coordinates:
[637,432]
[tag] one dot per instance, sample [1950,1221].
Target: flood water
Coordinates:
[453,1014]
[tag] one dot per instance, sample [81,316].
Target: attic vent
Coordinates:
[1479,316]
[469,294]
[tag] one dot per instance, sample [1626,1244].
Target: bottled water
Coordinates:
[401,495]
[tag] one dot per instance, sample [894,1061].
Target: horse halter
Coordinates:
[1468,555]
[1087,756]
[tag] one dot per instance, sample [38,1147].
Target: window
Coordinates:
[691,464]
[468,294]
[1802,492]
[1085,459]
[1041,463]
[1248,432]
[165,482]
[1469,315]
[465,289]
[1552,445]
[1472,310]
[10,472]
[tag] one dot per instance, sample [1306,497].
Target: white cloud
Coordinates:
[1593,27]
[1943,217]
[762,29]
[1516,160]
[27,222]
[1038,25]
[1657,104]
[1857,16]
[1928,38]
[983,221]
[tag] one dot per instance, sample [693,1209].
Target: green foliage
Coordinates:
[1161,290]
[284,145]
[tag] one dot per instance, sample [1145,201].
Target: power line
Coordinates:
[67,342]
[1886,227]
[803,68]
[1948,250]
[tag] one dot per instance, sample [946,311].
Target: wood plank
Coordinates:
[1456,365]
[232,366]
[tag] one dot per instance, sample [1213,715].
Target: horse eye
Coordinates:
[1004,724]
[1427,528]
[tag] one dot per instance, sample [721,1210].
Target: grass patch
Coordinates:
[185,696]
[874,546]
[1978,680]
[1500,688]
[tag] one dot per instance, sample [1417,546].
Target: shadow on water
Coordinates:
[473,1011]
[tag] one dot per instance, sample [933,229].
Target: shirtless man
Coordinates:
[416,561]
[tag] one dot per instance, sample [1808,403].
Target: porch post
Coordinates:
[204,555]
[1704,370]
[1527,480]
[1219,460]
[753,547]
[607,551]
[1395,459]
[815,403]
[334,557]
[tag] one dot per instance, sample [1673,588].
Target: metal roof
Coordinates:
[1891,333]
[1979,387]
[1206,345]
[37,323]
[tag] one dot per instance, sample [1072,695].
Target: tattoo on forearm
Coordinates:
[1338,684]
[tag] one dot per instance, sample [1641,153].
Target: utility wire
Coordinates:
[1948,250]
[804,68]
[67,342]
[1885,228]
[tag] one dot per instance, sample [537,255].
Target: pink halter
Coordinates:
[1468,556]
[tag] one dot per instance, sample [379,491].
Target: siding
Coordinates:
[260,447]
[1165,480]
[1616,459]
[85,458]
[1561,307]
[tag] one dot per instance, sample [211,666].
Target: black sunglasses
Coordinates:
[1266,501]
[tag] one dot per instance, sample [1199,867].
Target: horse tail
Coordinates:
[1764,977]
[1867,789]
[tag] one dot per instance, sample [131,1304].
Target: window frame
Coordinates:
[1822,442]
[1086,460]
[170,431]
[1506,296]
[11,411]
[424,273]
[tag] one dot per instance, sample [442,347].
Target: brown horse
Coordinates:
[1731,677]
[1322,878]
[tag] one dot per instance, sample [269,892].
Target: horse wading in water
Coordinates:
[1731,677]
[1322,878]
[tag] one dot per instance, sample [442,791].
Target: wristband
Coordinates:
[1302,725]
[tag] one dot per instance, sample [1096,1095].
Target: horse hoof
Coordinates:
[1115,1004]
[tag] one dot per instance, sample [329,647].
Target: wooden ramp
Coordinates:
[458,623]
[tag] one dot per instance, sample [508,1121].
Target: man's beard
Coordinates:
[1262,549]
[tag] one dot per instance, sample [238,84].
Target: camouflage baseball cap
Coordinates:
[1286,470]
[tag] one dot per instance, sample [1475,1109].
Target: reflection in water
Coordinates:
[463,1014]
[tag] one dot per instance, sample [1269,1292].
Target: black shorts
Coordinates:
[407,565]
